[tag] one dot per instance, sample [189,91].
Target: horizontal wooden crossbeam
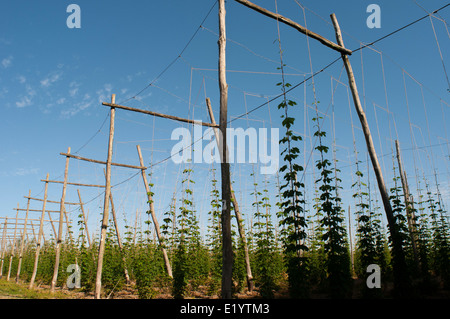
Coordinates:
[29,219]
[36,210]
[171,117]
[52,201]
[296,26]
[76,184]
[102,162]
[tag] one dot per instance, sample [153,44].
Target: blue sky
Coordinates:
[53,80]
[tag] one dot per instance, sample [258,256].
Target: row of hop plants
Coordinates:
[293,252]
[284,255]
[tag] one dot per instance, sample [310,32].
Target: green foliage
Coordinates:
[401,226]
[334,235]
[215,238]
[370,246]
[149,270]
[191,264]
[113,273]
[267,261]
[290,216]
[440,242]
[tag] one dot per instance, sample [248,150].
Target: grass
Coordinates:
[13,290]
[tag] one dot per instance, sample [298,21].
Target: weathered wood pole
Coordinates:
[101,250]
[84,219]
[401,280]
[40,235]
[352,260]
[5,225]
[295,25]
[135,227]
[62,210]
[13,246]
[53,224]
[171,117]
[152,211]
[237,211]
[119,241]
[22,243]
[409,205]
[227,258]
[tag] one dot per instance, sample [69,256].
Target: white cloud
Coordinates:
[27,99]
[51,78]
[22,79]
[7,62]
[61,100]
[104,94]
[24,101]
[74,85]
[3,91]
[25,171]
[78,107]
[73,92]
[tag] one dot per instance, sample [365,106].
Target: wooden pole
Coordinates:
[101,251]
[30,220]
[171,117]
[135,227]
[40,234]
[351,240]
[296,26]
[13,245]
[74,184]
[3,246]
[409,205]
[60,229]
[102,162]
[119,241]
[35,210]
[237,211]
[227,266]
[53,225]
[51,201]
[22,243]
[34,233]
[152,211]
[400,274]
[84,219]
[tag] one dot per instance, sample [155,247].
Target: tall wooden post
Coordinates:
[400,274]
[84,219]
[13,245]
[22,243]
[101,250]
[61,223]
[152,211]
[236,207]
[40,235]
[5,225]
[119,241]
[351,240]
[227,267]
[410,216]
